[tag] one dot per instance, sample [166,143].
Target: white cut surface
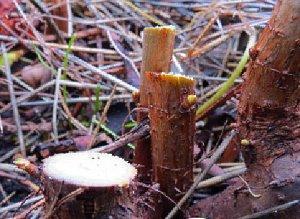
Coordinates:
[89,169]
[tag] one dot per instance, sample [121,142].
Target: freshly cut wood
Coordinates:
[97,185]
[172,120]
[158,44]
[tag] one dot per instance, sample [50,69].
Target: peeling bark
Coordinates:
[269,118]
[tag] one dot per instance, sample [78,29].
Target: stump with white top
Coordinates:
[87,185]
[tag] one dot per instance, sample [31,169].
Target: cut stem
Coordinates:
[172,135]
[227,84]
[158,46]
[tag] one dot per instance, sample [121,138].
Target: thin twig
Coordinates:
[228,84]
[102,118]
[30,209]
[122,54]
[1,126]
[13,101]
[55,104]
[218,179]
[67,198]
[272,210]
[60,46]
[22,203]
[249,188]
[27,96]
[7,198]
[137,133]
[120,97]
[106,76]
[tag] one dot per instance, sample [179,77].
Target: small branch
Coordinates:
[97,70]
[55,105]
[20,179]
[102,118]
[203,32]
[59,46]
[119,97]
[219,102]
[7,198]
[27,96]
[122,53]
[272,210]
[228,84]
[13,101]
[144,14]
[1,126]
[138,133]
[61,82]
[70,18]
[207,47]
[221,178]
[29,209]
[20,204]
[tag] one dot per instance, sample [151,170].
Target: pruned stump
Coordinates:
[158,44]
[172,119]
[87,185]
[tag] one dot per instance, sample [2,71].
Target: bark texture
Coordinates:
[158,43]
[172,120]
[269,117]
[93,202]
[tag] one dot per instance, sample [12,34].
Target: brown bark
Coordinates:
[158,46]
[269,118]
[100,199]
[172,121]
